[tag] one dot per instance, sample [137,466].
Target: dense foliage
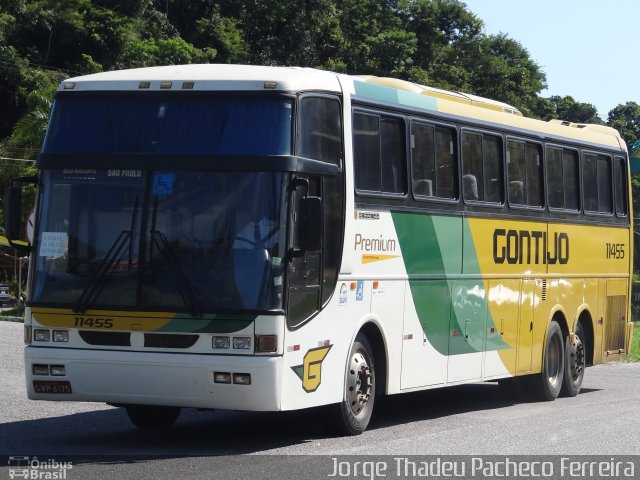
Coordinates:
[435,42]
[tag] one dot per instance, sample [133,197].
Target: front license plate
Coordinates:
[44,386]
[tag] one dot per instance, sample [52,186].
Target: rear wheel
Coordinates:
[574,363]
[360,389]
[152,417]
[547,384]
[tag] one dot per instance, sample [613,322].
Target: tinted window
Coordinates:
[184,125]
[379,153]
[319,129]
[524,169]
[562,178]
[596,183]
[620,181]
[482,167]
[434,164]
[366,151]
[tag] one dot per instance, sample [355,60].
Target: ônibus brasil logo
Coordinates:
[32,468]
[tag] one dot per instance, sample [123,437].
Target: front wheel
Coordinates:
[360,389]
[152,417]
[574,363]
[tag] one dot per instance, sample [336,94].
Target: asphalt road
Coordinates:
[466,420]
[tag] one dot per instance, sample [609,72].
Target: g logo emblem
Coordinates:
[310,372]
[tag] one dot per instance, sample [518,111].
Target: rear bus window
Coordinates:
[620,183]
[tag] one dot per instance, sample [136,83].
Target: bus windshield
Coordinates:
[169,124]
[186,241]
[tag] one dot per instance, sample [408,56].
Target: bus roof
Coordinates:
[207,77]
[481,109]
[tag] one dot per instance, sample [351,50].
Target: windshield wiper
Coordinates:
[184,288]
[102,274]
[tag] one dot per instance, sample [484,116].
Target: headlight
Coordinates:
[61,335]
[41,335]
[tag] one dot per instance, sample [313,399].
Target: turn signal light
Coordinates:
[267,343]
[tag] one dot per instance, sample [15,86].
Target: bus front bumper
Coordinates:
[148,378]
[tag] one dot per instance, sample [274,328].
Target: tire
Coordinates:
[355,410]
[152,417]
[546,385]
[574,364]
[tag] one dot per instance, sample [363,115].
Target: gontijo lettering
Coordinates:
[524,246]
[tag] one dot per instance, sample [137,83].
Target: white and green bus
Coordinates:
[270,239]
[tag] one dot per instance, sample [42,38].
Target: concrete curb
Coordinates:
[12,319]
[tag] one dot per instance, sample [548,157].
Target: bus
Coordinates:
[273,238]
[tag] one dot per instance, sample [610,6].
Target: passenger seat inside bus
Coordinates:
[423,188]
[470,186]
[516,192]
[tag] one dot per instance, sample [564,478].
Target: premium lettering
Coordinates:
[380,244]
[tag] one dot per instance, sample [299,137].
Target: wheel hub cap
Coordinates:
[358,383]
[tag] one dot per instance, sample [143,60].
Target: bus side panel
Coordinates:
[425,344]
[504,306]
[315,355]
[595,301]
[525,327]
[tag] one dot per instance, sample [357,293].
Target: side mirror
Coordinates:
[13,213]
[13,208]
[311,224]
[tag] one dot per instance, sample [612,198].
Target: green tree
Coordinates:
[503,70]
[447,34]
[626,119]
[567,108]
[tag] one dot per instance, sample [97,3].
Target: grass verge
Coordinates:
[14,312]
[634,348]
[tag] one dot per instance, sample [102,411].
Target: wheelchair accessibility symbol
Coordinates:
[163,184]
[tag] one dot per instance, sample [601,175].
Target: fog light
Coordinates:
[242,378]
[40,335]
[40,369]
[221,342]
[222,377]
[267,343]
[243,343]
[58,370]
[61,335]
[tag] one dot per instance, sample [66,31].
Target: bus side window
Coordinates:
[482,167]
[524,171]
[562,178]
[596,183]
[379,153]
[320,129]
[434,172]
[620,184]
